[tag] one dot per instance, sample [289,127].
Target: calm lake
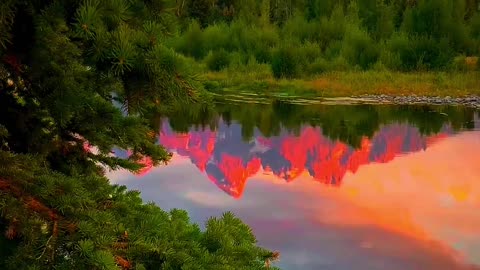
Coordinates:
[329,186]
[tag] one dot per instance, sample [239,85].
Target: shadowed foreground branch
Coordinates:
[53,220]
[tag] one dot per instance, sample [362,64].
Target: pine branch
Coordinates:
[46,246]
[29,202]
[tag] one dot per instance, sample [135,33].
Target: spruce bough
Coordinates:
[63,65]
[82,222]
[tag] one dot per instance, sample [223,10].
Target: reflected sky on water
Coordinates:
[398,200]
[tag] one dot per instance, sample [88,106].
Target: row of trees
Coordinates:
[64,64]
[296,37]
[279,11]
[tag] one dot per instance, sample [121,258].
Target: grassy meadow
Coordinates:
[351,83]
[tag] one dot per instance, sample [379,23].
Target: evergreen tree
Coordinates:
[72,60]
[280,11]
[53,221]
[318,8]
[64,65]
[377,18]
[202,10]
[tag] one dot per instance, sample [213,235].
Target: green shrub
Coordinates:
[390,60]
[359,49]
[475,34]
[459,39]
[475,26]
[217,36]
[431,53]
[284,62]
[269,36]
[238,60]
[340,64]
[400,53]
[212,85]
[217,60]
[241,35]
[420,52]
[459,63]
[262,54]
[333,50]
[191,43]
[332,29]
[424,39]
[308,52]
[260,70]
[379,66]
[428,18]
[260,43]
[301,30]
[319,66]
[437,21]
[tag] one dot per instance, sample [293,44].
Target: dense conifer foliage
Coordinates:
[77,78]
[64,62]
[56,221]
[331,35]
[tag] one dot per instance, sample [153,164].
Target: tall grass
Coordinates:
[348,83]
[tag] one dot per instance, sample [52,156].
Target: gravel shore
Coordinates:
[470,101]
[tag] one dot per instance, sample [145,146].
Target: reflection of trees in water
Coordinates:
[347,123]
[183,118]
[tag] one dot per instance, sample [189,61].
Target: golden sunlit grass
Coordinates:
[350,83]
[471,62]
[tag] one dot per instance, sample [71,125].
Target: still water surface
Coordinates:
[330,187]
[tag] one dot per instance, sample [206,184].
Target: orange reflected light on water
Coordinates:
[432,195]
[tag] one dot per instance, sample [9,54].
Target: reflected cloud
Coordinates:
[208,199]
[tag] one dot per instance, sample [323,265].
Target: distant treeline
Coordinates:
[295,38]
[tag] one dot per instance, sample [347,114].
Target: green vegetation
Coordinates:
[313,40]
[82,222]
[348,83]
[63,66]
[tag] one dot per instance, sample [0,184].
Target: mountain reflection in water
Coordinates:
[229,161]
[399,199]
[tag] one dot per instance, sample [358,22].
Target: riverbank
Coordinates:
[469,101]
[383,84]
